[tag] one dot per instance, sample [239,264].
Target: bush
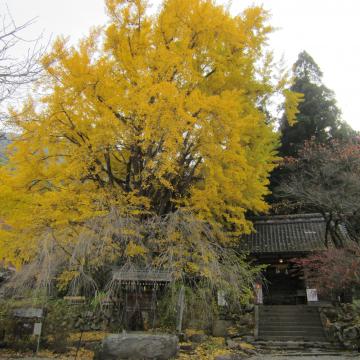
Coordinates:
[200,307]
[16,332]
[58,322]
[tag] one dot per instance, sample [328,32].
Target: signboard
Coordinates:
[28,313]
[311,295]
[258,294]
[221,298]
[37,329]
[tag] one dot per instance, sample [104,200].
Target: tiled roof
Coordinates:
[131,274]
[286,234]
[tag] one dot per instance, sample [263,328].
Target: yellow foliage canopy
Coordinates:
[148,115]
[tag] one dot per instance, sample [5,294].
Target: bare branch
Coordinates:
[17,72]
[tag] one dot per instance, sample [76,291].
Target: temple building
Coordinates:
[287,307]
[278,240]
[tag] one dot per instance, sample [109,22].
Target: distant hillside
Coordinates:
[4,142]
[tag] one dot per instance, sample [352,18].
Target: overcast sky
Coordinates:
[327,29]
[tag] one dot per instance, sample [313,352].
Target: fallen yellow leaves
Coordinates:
[246,346]
[82,354]
[190,332]
[212,347]
[88,336]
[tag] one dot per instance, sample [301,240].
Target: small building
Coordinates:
[276,241]
[137,293]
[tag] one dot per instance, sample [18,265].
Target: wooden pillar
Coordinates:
[180,309]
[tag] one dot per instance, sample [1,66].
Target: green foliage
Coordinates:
[200,307]
[15,335]
[318,120]
[59,323]
[318,114]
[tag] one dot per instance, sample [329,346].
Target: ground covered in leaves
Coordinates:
[213,349]
[77,349]
[82,354]
[199,347]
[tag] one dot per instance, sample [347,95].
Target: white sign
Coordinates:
[221,298]
[37,329]
[258,294]
[312,295]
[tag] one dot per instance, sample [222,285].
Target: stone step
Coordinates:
[311,351]
[275,327]
[299,316]
[305,313]
[310,309]
[286,327]
[286,307]
[283,320]
[290,319]
[290,322]
[296,345]
[300,330]
[291,338]
[302,306]
[293,334]
[289,311]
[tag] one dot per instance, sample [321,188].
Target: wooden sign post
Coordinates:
[180,309]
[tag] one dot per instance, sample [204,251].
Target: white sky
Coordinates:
[328,30]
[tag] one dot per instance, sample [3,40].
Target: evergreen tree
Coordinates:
[318,117]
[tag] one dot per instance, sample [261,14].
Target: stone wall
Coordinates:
[342,325]
[241,325]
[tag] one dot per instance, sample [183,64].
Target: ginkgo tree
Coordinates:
[152,118]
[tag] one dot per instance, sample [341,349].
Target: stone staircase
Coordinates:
[290,323]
